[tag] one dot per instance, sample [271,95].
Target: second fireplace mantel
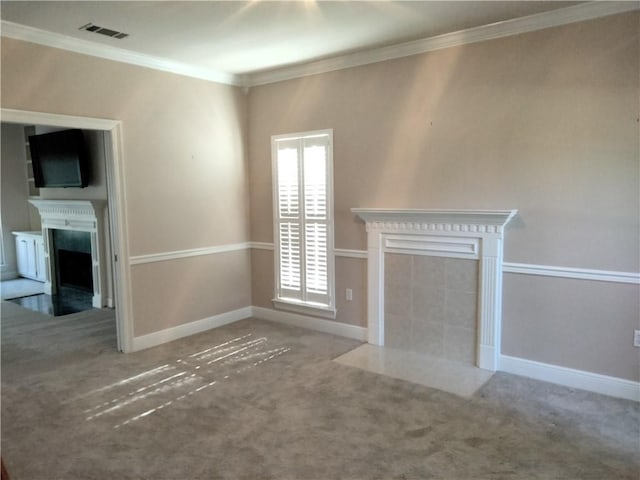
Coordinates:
[79,215]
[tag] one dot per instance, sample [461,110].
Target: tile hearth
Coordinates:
[452,377]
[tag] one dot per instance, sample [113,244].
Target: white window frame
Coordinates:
[280,301]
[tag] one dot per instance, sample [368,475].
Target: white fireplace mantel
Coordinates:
[79,215]
[471,234]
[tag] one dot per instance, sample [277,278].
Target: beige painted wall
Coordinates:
[575,323]
[545,122]
[190,289]
[185,169]
[13,174]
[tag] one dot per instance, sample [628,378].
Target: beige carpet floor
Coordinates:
[258,400]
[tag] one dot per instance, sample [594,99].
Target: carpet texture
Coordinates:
[257,400]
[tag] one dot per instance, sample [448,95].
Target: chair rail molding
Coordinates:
[471,234]
[573,273]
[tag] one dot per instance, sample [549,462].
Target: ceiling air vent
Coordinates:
[90,27]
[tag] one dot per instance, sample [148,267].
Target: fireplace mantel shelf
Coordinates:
[69,209]
[494,218]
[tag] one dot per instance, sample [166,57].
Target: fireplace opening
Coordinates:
[72,252]
[75,270]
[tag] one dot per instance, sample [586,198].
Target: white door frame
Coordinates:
[116,199]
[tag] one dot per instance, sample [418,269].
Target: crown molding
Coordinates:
[516,26]
[56,40]
[554,18]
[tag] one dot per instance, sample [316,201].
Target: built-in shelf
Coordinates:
[32,190]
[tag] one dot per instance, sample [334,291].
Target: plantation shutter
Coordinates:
[316,218]
[289,219]
[303,219]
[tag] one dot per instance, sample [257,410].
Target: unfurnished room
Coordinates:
[320,240]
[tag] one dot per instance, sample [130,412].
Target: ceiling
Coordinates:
[242,37]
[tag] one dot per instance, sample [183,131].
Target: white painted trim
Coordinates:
[116,188]
[261,245]
[467,222]
[569,377]
[77,45]
[512,267]
[311,323]
[55,120]
[347,253]
[186,329]
[433,245]
[329,299]
[118,229]
[304,308]
[192,252]
[516,26]
[80,216]
[232,247]
[473,234]
[574,273]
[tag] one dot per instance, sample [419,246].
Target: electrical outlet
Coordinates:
[636,338]
[349,294]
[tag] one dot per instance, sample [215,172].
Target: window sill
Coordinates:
[315,310]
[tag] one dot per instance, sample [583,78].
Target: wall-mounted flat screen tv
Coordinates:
[60,159]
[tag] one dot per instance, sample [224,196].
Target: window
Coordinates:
[303,222]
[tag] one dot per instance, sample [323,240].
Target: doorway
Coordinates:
[118,255]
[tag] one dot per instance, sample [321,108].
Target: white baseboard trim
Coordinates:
[311,323]
[174,333]
[487,357]
[569,377]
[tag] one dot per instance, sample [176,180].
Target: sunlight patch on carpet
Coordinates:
[138,396]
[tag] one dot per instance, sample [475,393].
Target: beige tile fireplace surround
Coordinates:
[430,305]
[435,281]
